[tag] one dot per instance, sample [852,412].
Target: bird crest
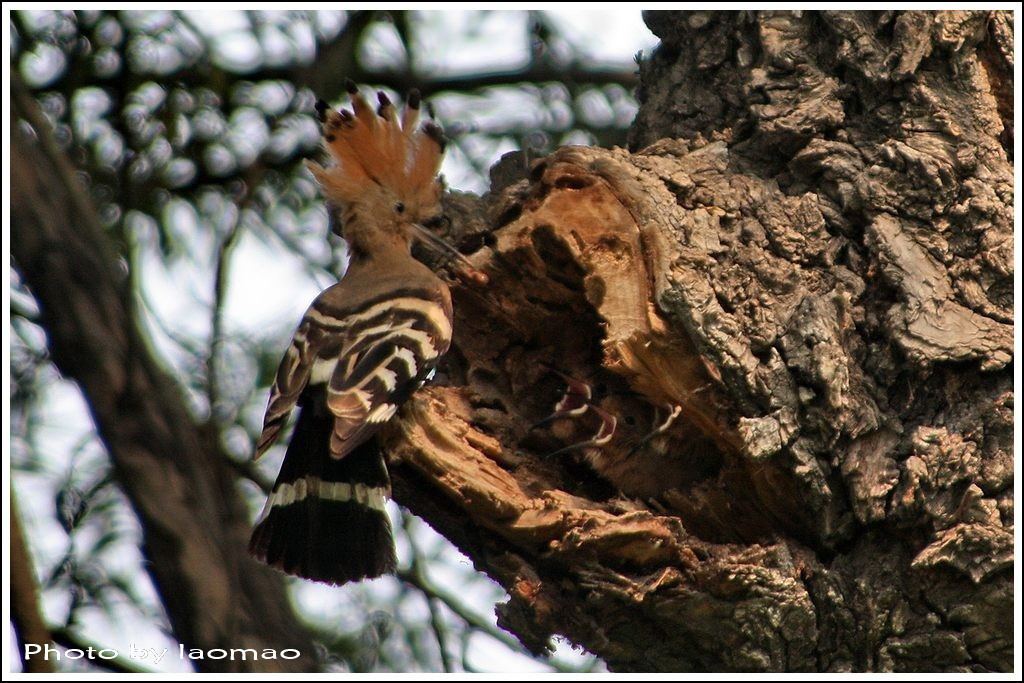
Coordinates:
[380,156]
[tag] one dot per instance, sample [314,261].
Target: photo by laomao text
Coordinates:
[154,655]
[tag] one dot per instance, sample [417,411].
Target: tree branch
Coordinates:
[339,56]
[220,284]
[416,577]
[29,625]
[174,473]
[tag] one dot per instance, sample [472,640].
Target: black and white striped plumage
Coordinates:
[348,369]
[362,348]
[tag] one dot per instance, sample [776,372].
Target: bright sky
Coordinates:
[258,304]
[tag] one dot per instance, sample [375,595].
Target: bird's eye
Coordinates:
[399,207]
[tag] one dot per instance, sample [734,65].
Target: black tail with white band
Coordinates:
[325,519]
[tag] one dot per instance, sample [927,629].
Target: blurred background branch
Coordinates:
[28,623]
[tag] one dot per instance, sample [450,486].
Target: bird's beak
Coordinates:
[464,270]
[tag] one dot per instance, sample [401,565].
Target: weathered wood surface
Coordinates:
[810,251]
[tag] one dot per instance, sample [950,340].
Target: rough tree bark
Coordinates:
[173,470]
[810,252]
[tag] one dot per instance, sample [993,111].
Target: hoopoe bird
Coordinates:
[362,348]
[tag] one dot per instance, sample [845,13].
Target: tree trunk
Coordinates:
[173,471]
[810,254]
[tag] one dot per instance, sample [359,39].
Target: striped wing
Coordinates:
[393,353]
[370,361]
[290,381]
